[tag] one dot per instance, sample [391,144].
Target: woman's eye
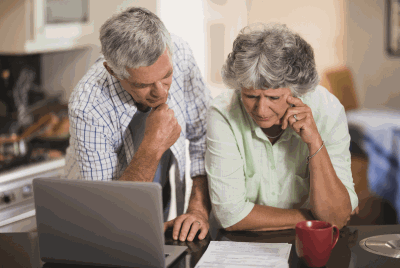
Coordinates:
[274,98]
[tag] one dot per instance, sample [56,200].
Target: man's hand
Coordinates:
[186,226]
[162,129]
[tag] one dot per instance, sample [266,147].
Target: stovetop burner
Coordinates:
[40,150]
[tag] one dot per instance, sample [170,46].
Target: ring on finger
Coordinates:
[199,223]
[295,117]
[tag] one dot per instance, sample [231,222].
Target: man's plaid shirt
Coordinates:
[100,111]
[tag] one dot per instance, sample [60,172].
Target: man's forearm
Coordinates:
[143,166]
[199,197]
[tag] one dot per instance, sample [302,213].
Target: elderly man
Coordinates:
[132,112]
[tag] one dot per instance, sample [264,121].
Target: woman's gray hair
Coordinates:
[133,38]
[270,56]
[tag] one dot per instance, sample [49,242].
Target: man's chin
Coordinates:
[154,104]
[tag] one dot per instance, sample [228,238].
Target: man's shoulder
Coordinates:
[181,48]
[178,41]
[92,85]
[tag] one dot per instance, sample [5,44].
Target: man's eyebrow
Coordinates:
[145,85]
[140,85]
[168,74]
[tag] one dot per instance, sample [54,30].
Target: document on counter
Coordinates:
[245,254]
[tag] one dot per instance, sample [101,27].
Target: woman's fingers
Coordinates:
[289,119]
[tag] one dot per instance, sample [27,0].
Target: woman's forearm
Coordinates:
[329,198]
[266,218]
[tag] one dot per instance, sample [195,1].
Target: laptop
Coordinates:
[107,223]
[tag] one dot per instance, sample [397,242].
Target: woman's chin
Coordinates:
[267,124]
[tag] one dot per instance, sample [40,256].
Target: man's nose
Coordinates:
[158,90]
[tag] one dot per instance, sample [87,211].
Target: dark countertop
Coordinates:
[21,249]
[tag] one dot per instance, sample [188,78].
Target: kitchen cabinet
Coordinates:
[35,26]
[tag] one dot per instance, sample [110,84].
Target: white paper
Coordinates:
[245,254]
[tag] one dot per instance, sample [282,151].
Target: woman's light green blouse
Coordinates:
[244,169]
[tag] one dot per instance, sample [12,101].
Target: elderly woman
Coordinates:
[278,143]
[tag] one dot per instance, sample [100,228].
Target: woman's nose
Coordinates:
[262,107]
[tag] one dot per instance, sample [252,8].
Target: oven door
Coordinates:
[23,221]
[17,207]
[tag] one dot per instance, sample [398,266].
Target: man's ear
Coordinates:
[109,69]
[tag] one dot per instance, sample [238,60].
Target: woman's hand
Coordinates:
[304,124]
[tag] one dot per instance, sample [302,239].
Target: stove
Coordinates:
[17,210]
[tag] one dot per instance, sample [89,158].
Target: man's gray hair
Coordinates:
[133,38]
[270,56]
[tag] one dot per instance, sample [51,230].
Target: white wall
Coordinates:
[343,32]
[223,20]
[321,23]
[194,23]
[376,74]
[189,24]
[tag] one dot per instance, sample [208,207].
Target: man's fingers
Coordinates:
[162,106]
[196,225]
[203,233]
[185,228]
[168,224]
[177,227]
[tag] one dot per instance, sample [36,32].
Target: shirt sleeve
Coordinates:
[197,97]
[91,141]
[224,166]
[338,146]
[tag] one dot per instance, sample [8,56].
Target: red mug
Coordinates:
[315,241]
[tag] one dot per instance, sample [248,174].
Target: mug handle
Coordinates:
[336,235]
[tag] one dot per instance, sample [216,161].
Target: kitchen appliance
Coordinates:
[17,211]
[41,159]
[24,104]
[45,25]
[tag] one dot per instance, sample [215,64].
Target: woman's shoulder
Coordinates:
[228,105]
[226,101]
[320,100]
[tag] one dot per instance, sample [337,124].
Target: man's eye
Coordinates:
[252,96]
[139,86]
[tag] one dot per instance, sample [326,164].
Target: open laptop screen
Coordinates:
[104,223]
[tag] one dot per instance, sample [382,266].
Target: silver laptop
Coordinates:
[102,223]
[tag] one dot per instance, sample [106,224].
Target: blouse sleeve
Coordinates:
[337,143]
[224,166]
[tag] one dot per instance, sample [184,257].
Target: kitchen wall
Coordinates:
[63,70]
[343,32]
[321,23]
[210,28]
[376,74]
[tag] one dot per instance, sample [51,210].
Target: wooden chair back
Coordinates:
[339,81]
